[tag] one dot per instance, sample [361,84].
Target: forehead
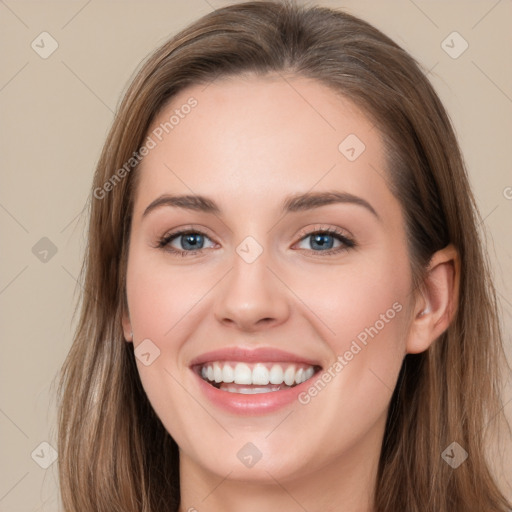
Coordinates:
[255,138]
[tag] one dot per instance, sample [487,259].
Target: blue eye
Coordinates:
[322,241]
[191,242]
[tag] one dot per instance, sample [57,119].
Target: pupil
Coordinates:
[321,240]
[191,240]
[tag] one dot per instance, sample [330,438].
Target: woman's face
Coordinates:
[294,266]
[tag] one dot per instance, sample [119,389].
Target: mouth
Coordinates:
[251,378]
[253,382]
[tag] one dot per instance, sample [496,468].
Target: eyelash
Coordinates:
[348,243]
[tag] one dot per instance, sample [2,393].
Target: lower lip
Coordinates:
[247,405]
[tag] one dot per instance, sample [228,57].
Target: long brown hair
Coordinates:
[114,453]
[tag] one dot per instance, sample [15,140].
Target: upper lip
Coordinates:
[260,355]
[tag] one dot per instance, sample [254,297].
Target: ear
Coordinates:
[436,303]
[127,326]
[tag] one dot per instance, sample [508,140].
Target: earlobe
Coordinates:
[436,302]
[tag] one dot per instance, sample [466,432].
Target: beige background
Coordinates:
[55,114]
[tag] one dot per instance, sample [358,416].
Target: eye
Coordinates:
[189,242]
[324,240]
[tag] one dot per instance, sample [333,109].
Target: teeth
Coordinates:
[258,374]
[217,372]
[289,375]
[276,375]
[308,373]
[243,374]
[249,391]
[228,374]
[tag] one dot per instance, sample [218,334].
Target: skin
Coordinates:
[248,144]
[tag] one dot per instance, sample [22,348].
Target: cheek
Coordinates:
[161,303]
[366,316]
[359,303]
[159,296]
[364,309]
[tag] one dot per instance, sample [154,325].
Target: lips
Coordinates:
[252,381]
[261,355]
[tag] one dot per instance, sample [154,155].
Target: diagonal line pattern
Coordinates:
[70,222]
[488,215]
[85,85]
[14,218]
[431,69]
[13,279]
[496,415]
[76,14]
[81,212]
[505,299]
[307,101]
[199,403]
[196,303]
[381,380]
[382,175]
[424,14]
[310,189]
[13,423]
[14,486]
[301,301]
[279,424]
[217,486]
[193,192]
[492,81]
[485,15]
[206,1]
[13,13]
[286,491]
[14,76]
[212,80]
[78,282]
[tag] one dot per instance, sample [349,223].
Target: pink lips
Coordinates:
[247,405]
[262,355]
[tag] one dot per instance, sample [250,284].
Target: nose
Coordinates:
[251,297]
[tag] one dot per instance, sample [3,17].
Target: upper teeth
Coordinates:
[259,373]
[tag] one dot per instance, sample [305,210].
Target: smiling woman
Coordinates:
[286,303]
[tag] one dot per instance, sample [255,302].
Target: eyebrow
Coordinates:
[293,203]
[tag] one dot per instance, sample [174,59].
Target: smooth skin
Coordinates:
[249,144]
